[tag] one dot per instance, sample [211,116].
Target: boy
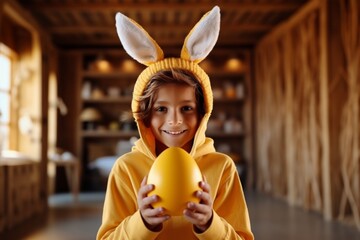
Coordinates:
[172,102]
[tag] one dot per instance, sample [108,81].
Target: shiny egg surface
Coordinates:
[176,177]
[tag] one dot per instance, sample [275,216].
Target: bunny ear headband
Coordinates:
[197,45]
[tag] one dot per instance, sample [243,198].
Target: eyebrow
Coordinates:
[164,102]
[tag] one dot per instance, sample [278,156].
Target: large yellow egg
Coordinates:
[176,178]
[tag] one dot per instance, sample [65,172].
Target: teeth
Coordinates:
[174,133]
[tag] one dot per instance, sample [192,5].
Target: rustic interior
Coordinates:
[299,66]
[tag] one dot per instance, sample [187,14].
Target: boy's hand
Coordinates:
[200,214]
[152,217]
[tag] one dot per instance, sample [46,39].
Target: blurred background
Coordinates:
[286,91]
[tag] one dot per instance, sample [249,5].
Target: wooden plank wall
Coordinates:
[308,94]
[345,97]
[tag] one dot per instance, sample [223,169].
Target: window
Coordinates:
[5,96]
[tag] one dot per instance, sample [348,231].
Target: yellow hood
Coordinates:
[146,144]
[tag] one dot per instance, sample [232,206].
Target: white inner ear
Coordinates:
[136,41]
[204,36]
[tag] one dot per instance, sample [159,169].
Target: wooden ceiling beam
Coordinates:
[112,42]
[157,28]
[145,7]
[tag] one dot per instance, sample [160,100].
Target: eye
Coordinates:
[160,109]
[187,108]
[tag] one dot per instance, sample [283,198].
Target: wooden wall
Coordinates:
[307,110]
[35,63]
[344,97]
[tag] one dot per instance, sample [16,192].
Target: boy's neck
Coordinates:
[160,147]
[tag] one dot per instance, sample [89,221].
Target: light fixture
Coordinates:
[129,65]
[234,64]
[102,64]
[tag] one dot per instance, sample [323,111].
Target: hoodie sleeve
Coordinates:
[121,219]
[230,215]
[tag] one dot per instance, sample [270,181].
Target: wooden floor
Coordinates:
[270,219]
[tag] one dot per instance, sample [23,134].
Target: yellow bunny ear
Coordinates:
[136,41]
[202,38]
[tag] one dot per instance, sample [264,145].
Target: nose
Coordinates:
[175,119]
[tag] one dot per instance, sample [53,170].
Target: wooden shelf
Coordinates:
[126,99]
[109,75]
[222,74]
[220,134]
[229,100]
[109,134]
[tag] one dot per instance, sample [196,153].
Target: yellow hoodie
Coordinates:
[121,217]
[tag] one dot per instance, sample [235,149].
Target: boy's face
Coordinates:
[174,117]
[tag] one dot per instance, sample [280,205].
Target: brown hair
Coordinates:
[175,76]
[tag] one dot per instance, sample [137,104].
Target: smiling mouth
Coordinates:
[174,132]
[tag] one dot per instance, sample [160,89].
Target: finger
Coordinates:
[150,200]
[198,214]
[205,186]
[154,212]
[143,183]
[143,191]
[147,202]
[204,197]
[195,217]
[157,219]
[155,216]
[198,208]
